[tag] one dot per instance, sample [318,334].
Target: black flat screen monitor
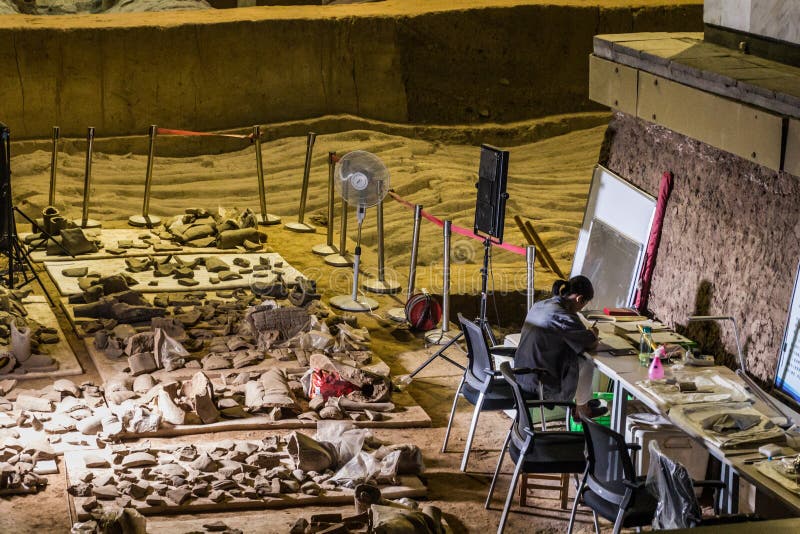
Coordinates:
[490,208]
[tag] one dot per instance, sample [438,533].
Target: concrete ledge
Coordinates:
[437,61]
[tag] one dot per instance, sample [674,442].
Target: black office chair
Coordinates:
[610,486]
[481,384]
[544,452]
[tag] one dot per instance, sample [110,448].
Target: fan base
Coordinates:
[383,287]
[141,221]
[397,315]
[324,249]
[299,227]
[337,260]
[346,303]
[90,223]
[269,220]
[437,337]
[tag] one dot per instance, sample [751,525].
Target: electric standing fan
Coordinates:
[362,180]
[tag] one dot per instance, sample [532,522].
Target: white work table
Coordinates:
[625,371]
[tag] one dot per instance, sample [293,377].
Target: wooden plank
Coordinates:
[792,155]
[250,522]
[109,369]
[753,134]
[613,85]
[109,237]
[106,267]
[75,466]
[39,310]
[408,414]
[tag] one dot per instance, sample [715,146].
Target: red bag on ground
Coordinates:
[329,384]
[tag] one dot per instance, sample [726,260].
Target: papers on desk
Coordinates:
[664,337]
[614,344]
[632,327]
[779,471]
[710,388]
[705,420]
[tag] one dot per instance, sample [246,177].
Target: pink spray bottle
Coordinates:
[656,371]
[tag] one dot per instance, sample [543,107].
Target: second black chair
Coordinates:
[544,452]
[610,486]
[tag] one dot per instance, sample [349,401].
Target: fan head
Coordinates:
[361,178]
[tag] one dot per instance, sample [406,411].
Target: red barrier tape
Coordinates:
[466,232]
[168,131]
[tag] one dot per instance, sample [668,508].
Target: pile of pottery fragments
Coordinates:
[22,338]
[147,477]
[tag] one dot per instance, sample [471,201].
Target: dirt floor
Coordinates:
[437,175]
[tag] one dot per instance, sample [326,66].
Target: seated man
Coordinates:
[553,338]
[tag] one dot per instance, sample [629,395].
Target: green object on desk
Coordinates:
[605,420]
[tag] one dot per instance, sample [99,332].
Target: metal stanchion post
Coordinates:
[145,219]
[264,218]
[399,314]
[444,335]
[85,221]
[530,258]
[341,258]
[300,225]
[381,284]
[51,199]
[327,248]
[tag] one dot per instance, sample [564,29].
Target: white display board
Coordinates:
[787,374]
[613,238]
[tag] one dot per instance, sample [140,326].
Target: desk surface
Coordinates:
[627,371]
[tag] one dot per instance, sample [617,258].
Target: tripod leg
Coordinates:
[29,265]
[437,354]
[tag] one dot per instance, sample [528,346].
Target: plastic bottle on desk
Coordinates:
[656,371]
[645,346]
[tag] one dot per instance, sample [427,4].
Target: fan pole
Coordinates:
[85,221]
[327,248]
[341,258]
[264,218]
[145,219]
[350,302]
[399,314]
[381,285]
[300,225]
[51,199]
[445,335]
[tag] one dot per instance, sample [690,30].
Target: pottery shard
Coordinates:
[64,385]
[142,363]
[105,493]
[169,410]
[143,383]
[215,361]
[138,490]
[139,459]
[204,463]
[224,276]
[215,265]
[33,404]
[90,504]
[202,398]
[94,461]
[179,495]
[75,272]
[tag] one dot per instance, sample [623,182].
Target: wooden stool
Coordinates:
[526,483]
